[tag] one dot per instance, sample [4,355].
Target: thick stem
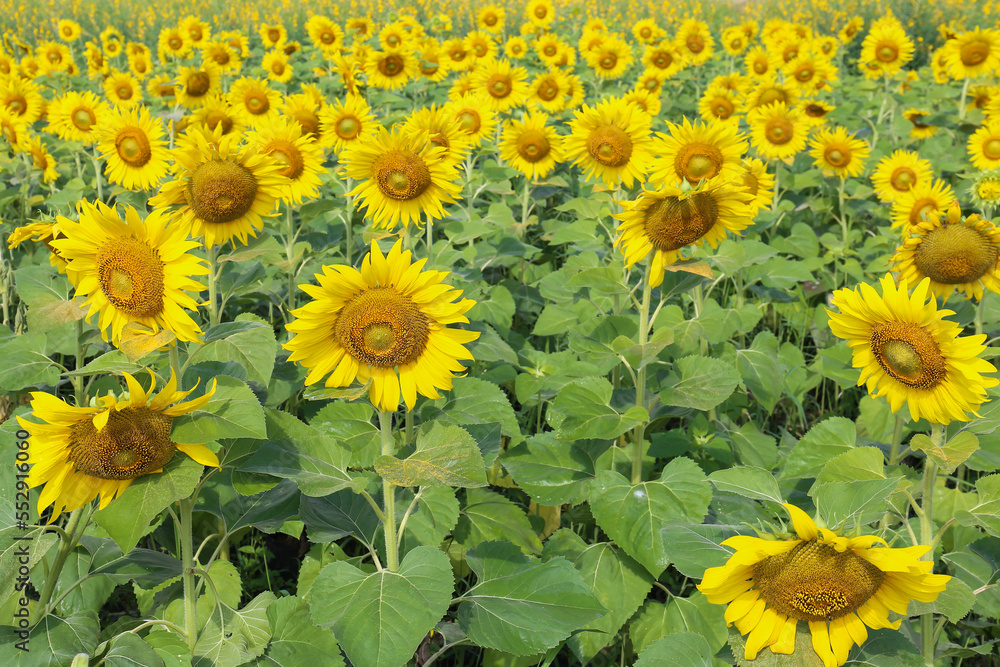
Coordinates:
[389,497]
[639,433]
[175,364]
[348,218]
[213,305]
[187,563]
[290,255]
[979,314]
[897,437]
[66,545]
[79,394]
[961,103]
[927,537]
[525,211]
[845,221]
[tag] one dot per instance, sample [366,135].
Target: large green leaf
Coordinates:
[295,640]
[952,454]
[681,649]
[351,424]
[434,518]
[337,515]
[475,401]
[232,412]
[554,471]
[632,515]
[694,614]
[445,455]
[24,363]
[52,642]
[693,548]
[583,410]
[251,344]
[521,605]
[702,383]
[487,515]
[821,443]
[381,618]
[986,514]
[761,369]
[129,650]
[747,481]
[232,637]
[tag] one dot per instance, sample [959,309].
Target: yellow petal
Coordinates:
[201,454]
[804,526]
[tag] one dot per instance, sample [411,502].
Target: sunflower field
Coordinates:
[537,332]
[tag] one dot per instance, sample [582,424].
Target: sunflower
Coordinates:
[272,35]
[955,253]
[531,146]
[899,173]
[132,270]
[429,56]
[610,59]
[769,90]
[698,151]
[255,101]
[539,12]
[161,86]
[492,18]
[473,115]
[221,52]
[123,89]
[611,140]
[851,29]
[54,57]
[505,86]
[29,68]
[814,112]
[838,153]
[325,34]
[515,48]
[972,54]
[984,146]
[217,112]
[920,202]
[239,42]
[758,183]
[663,58]
[22,98]
[69,30]
[132,143]
[172,44]
[275,63]
[825,46]
[909,353]
[718,104]
[8,64]
[647,102]
[670,219]
[442,129]
[481,45]
[391,69]
[196,30]
[42,231]
[80,453]
[777,132]
[347,122]
[41,158]
[548,91]
[920,129]
[838,585]
[139,65]
[223,191]
[985,191]
[385,324]
[757,62]
[394,36]
[694,40]
[651,80]
[304,110]
[886,46]
[75,116]
[196,84]
[400,177]
[809,73]
[300,157]
[646,31]
[457,56]
[12,128]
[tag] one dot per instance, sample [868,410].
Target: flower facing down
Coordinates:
[837,585]
[79,453]
[387,323]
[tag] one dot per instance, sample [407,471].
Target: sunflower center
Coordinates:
[770,96]
[955,254]
[541,12]
[974,53]
[480,49]
[278,67]
[381,327]
[401,175]
[815,582]
[778,131]
[175,42]
[548,90]
[257,103]
[751,183]
[697,161]
[124,91]
[221,191]
[610,145]
[198,84]
[308,121]
[608,61]
[327,37]
[134,442]
[133,147]
[662,60]
[216,117]
[286,153]
[723,108]
[18,104]
[695,43]
[991,148]
[759,66]
[908,354]
[348,127]
[469,121]
[490,19]
[83,118]
[131,276]
[532,146]
[673,223]
[887,53]
[837,156]
[902,179]
[273,35]
[499,85]
[390,65]
[804,73]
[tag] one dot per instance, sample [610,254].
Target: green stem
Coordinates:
[347,225]
[389,496]
[80,395]
[66,545]
[979,314]
[97,176]
[213,306]
[290,254]
[175,363]
[845,221]
[961,103]
[525,211]
[187,563]
[639,433]
[927,537]
[897,438]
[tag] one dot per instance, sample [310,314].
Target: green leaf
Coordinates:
[863,500]
[129,650]
[762,370]
[351,423]
[146,567]
[583,410]
[747,481]
[853,465]
[474,401]
[554,471]
[295,640]
[802,656]
[693,548]
[170,647]
[254,348]
[53,641]
[381,618]
[24,363]
[487,515]
[884,648]
[337,515]
[704,382]
[233,637]
[754,448]
[521,605]
[632,515]
[40,284]
[954,602]
[986,514]
[128,517]
[681,649]
[232,412]
[434,518]
[821,443]
[110,362]
[695,614]
[445,455]
[954,453]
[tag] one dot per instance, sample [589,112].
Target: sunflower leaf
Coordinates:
[703,383]
[952,454]
[446,455]
[680,649]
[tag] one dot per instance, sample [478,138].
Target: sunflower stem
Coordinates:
[927,538]
[961,103]
[213,308]
[290,254]
[188,564]
[75,526]
[639,432]
[175,363]
[979,314]
[79,393]
[389,497]
[348,218]
[897,438]
[97,176]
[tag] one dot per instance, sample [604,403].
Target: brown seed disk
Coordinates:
[221,191]
[610,145]
[955,254]
[673,223]
[130,274]
[382,328]
[134,442]
[401,175]
[908,354]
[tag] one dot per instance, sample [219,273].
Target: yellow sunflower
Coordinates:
[132,143]
[734,40]
[769,90]
[984,145]
[610,59]
[548,91]
[272,35]
[304,109]
[8,64]
[430,58]
[481,45]
[956,253]
[899,173]
[718,104]
[505,86]
[54,57]
[196,30]
[531,146]
[161,87]
[837,585]
[41,158]
[139,65]
[223,54]
[919,202]
[224,191]
[301,158]
[255,101]
[539,12]
[172,43]
[391,69]
[909,353]
[22,97]
[326,35]
[611,140]
[668,220]
[972,54]
[456,55]
[386,324]
[75,117]
[777,132]
[217,112]
[492,18]
[837,153]
[815,111]
[851,29]
[196,84]
[646,31]
[474,116]
[401,177]
[441,129]
[123,89]
[647,102]
[698,151]
[759,184]
[515,48]
[886,46]
[132,270]
[276,64]
[42,231]
[80,453]
[394,36]
[694,40]
[663,58]
[757,62]
[69,30]
[347,122]
[12,128]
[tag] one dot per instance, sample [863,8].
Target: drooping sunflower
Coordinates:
[474,116]
[815,111]
[886,46]
[346,122]
[123,89]
[386,324]
[909,353]
[41,158]
[132,143]
[217,112]
[837,585]
[75,116]
[611,140]
[920,129]
[777,132]
[647,102]
[698,151]
[837,153]
[973,53]
[223,191]
[255,101]
[401,177]
[769,90]
[301,158]
[956,253]
[41,231]
[196,84]
[80,453]
[899,173]
[132,270]
[531,146]
[668,220]
[920,201]
[161,87]
[505,86]
[758,183]
[984,145]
